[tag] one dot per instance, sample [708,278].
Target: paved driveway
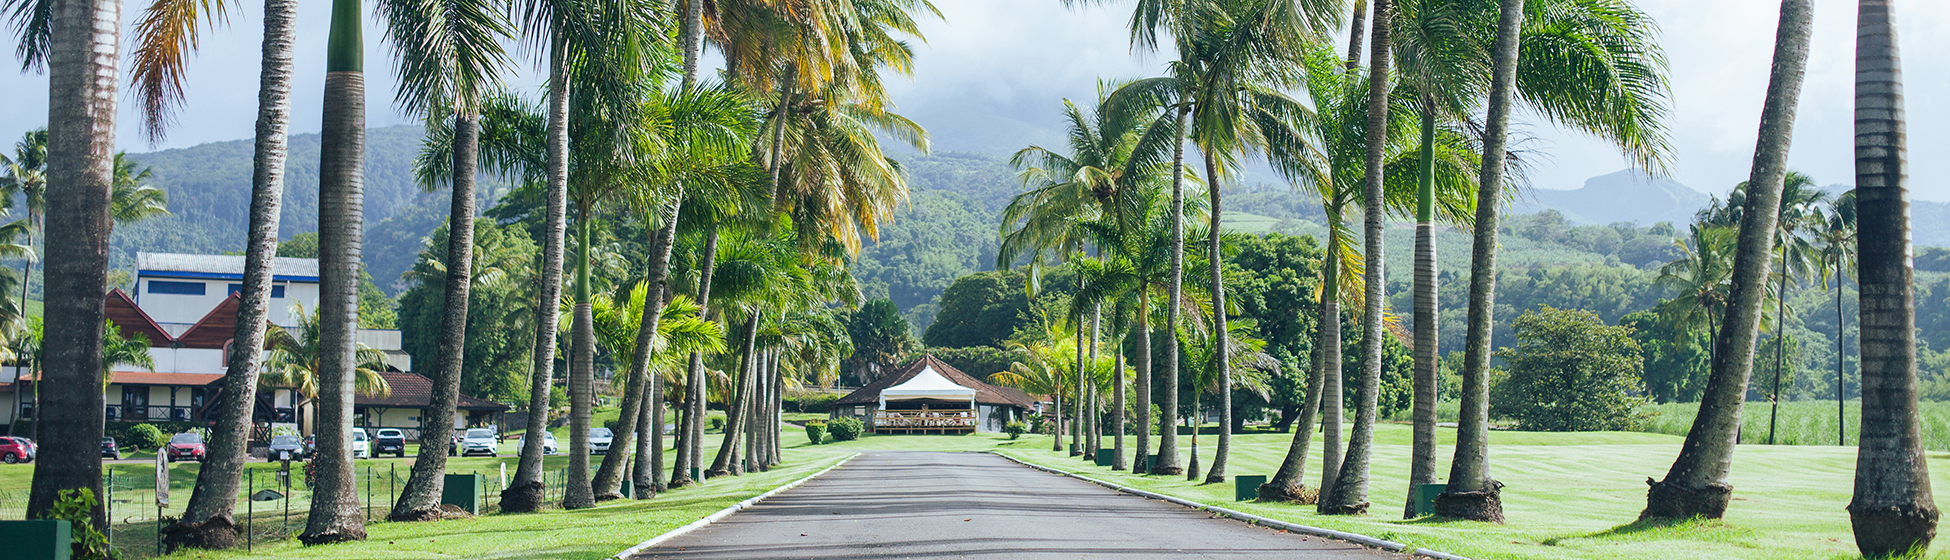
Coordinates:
[976,505]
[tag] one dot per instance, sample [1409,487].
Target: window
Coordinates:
[276,291]
[177,288]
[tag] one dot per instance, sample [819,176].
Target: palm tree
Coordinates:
[82,89]
[1799,216]
[341,199]
[679,332]
[25,177]
[1893,511]
[1697,483]
[1042,367]
[296,361]
[449,57]
[1835,230]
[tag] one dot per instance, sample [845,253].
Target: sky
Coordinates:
[1017,59]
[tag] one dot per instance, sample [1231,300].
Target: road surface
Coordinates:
[976,505]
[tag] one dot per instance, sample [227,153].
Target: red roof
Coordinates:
[984,392]
[216,329]
[412,390]
[149,378]
[132,320]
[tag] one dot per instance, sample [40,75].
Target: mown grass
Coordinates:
[1799,422]
[1572,495]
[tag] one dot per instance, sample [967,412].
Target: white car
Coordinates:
[548,442]
[599,440]
[480,440]
[361,444]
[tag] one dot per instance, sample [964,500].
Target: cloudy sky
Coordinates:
[1010,62]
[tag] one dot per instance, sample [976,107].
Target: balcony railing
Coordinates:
[925,419]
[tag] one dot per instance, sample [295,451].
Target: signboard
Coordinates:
[162,480]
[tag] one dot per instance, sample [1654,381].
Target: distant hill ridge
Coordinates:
[1631,196]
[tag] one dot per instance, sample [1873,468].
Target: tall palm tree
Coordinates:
[82,85]
[297,361]
[1893,511]
[1697,480]
[1697,483]
[1799,216]
[450,57]
[1042,368]
[1836,233]
[341,201]
[1698,279]
[679,331]
[25,178]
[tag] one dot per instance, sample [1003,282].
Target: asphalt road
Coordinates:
[976,505]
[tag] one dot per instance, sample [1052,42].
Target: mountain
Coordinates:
[1625,196]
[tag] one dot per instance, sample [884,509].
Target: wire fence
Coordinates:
[272,502]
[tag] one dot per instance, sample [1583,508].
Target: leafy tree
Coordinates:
[498,309]
[981,309]
[1570,372]
[1676,363]
[880,335]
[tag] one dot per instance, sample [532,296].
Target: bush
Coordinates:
[816,432]
[1015,429]
[717,423]
[811,402]
[846,429]
[77,507]
[146,436]
[1568,373]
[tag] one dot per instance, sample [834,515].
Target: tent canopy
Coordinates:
[928,384]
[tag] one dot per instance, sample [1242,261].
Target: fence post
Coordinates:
[250,511]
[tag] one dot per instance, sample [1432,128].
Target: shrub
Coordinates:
[1570,372]
[816,432]
[1015,429]
[846,429]
[146,436]
[810,402]
[77,507]
[717,423]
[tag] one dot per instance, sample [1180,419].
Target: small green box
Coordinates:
[1246,487]
[39,539]
[463,491]
[1425,497]
[629,489]
[1106,456]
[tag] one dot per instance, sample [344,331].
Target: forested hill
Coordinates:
[209,201]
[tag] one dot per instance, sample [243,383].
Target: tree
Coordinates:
[297,362]
[1835,230]
[1697,483]
[1042,368]
[1799,216]
[1893,511]
[82,85]
[980,309]
[498,309]
[880,335]
[334,513]
[1570,373]
[449,57]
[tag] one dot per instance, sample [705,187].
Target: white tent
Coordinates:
[928,384]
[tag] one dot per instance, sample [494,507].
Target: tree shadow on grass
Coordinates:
[1694,528]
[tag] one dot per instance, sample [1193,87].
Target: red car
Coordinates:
[17,450]
[185,446]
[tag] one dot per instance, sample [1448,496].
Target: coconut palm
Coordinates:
[450,57]
[679,332]
[82,87]
[1796,255]
[1042,367]
[1698,279]
[1835,230]
[296,361]
[1697,483]
[1893,511]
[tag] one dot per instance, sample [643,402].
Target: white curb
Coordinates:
[721,514]
[1359,539]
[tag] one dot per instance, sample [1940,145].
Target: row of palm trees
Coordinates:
[754,191]
[1461,66]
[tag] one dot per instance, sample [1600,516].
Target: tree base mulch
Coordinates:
[1668,500]
[1893,531]
[607,496]
[1168,471]
[345,532]
[216,533]
[1486,505]
[1295,494]
[714,473]
[676,482]
[1344,509]
[522,498]
[436,513]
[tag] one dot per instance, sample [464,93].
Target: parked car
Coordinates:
[311,444]
[286,444]
[390,440]
[186,446]
[361,444]
[599,440]
[548,442]
[109,450]
[480,440]
[17,450]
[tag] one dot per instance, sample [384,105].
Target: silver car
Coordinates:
[599,440]
[480,440]
[548,442]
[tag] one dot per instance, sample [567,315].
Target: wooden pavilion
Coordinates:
[931,397]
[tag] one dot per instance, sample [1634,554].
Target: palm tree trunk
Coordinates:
[680,445]
[691,456]
[335,514]
[1421,466]
[420,500]
[1168,411]
[1144,382]
[1289,482]
[1780,347]
[1350,493]
[1893,511]
[525,492]
[1354,35]
[81,143]
[638,403]
[1076,423]
[207,521]
[1841,334]
[1119,410]
[607,484]
[582,373]
[1220,338]
[1697,484]
[1094,441]
[737,403]
[1472,494]
[1056,430]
